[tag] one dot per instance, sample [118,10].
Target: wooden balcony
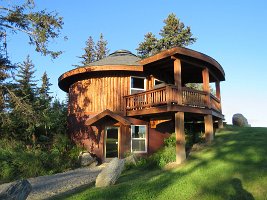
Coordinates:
[167,97]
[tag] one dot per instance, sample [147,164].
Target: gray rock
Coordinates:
[86,159]
[17,191]
[239,120]
[131,160]
[110,174]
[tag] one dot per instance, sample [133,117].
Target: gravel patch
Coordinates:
[45,187]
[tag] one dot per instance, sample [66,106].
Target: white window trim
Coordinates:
[146,135]
[141,77]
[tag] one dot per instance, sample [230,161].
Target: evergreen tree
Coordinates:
[149,46]
[44,90]
[44,105]
[58,118]
[89,54]
[26,85]
[22,116]
[22,106]
[5,73]
[40,26]
[173,34]
[101,48]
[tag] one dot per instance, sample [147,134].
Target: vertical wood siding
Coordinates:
[94,95]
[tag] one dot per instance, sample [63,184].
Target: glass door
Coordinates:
[112,133]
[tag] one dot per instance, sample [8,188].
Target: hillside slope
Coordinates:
[233,167]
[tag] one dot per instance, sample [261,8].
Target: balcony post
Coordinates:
[125,106]
[168,95]
[208,128]
[218,93]
[177,69]
[206,85]
[180,137]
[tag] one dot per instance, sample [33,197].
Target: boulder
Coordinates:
[86,159]
[110,174]
[131,160]
[17,191]
[239,120]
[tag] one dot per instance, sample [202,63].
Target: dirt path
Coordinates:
[45,187]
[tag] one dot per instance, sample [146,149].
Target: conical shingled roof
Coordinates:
[119,57]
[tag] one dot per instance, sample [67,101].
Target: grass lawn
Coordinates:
[233,167]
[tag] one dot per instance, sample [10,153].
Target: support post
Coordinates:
[177,69]
[208,128]
[218,93]
[180,137]
[220,123]
[206,85]
[218,90]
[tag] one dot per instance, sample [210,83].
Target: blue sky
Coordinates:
[232,32]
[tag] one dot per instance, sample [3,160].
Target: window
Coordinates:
[137,84]
[139,144]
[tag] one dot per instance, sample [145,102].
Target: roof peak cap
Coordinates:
[122,52]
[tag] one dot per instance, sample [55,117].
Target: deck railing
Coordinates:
[215,103]
[168,94]
[150,98]
[194,98]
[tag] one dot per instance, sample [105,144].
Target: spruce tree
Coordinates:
[89,52]
[22,95]
[44,90]
[26,85]
[44,106]
[5,73]
[101,48]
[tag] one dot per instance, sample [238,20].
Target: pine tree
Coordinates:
[173,34]
[89,54]
[149,46]
[101,48]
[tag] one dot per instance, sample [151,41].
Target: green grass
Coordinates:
[233,167]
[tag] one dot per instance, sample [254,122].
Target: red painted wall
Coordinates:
[157,135]
[92,137]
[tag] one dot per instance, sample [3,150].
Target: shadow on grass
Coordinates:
[240,192]
[219,171]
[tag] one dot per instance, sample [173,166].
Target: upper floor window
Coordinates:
[138,84]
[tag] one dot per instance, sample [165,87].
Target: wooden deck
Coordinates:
[166,98]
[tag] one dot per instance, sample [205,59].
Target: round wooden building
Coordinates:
[123,104]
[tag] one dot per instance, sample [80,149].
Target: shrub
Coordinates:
[168,153]
[17,161]
[170,141]
[163,156]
